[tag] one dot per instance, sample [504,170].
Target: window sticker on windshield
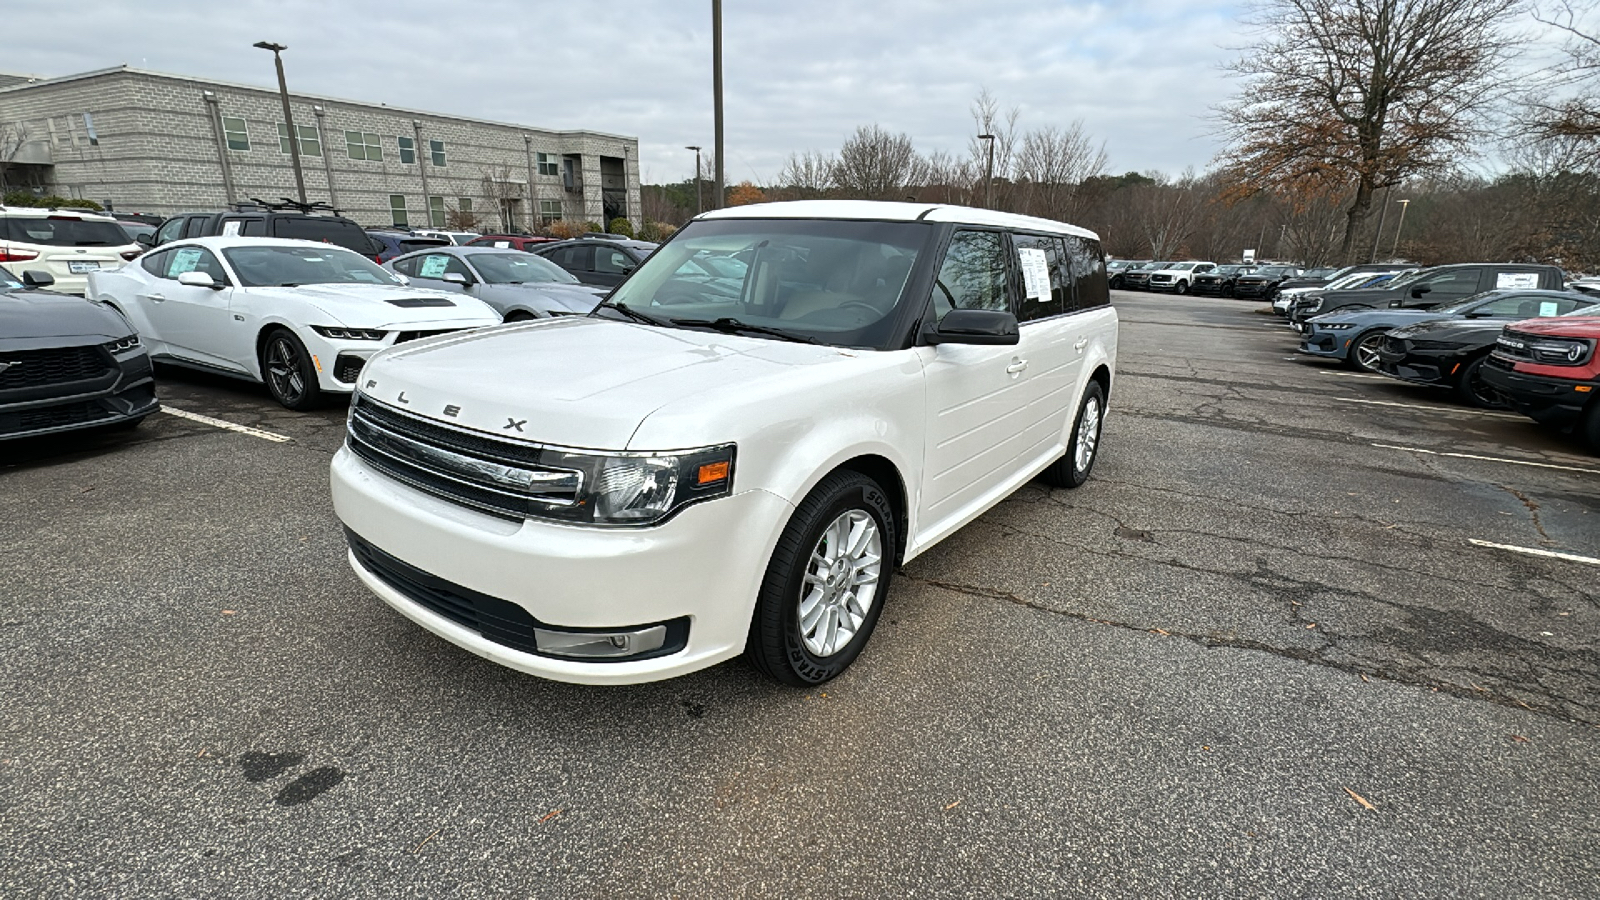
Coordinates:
[1517,280]
[1035,272]
[1548,308]
[185,260]
[434,266]
[231,229]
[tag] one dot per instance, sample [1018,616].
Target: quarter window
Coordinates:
[612,262]
[363,145]
[408,149]
[436,211]
[436,150]
[397,210]
[547,164]
[310,143]
[1087,266]
[973,275]
[237,134]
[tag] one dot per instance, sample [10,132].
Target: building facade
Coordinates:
[148,142]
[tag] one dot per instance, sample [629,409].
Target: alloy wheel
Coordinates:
[841,582]
[1366,351]
[283,370]
[1088,435]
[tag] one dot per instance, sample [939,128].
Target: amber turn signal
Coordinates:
[713,472]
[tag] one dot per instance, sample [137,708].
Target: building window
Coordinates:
[464,204]
[547,164]
[362,145]
[310,143]
[88,126]
[237,134]
[436,211]
[549,210]
[436,150]
[408,149]
[397,210]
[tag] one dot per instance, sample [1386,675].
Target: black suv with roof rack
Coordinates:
[258,218]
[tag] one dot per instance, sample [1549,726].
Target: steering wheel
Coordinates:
[862,304]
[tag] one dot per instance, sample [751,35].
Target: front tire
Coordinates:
[1083,448]
[1589,427]
[1474,391]
[1363,353]
[826,582]
[286,368]
[1183,287]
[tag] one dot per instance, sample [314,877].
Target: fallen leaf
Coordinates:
[418,848]
[1520,739]
[551,815]
[1365,803]
[228,612]
[1312,625]
[953,806]
[1363,678]
[1159,631]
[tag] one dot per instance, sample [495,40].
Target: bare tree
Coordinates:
[1050,165]
[806,176]
[13,135]
[877,165]
[994,172]
[502,191]
[1361,94]
[1575,114]
[1167,213]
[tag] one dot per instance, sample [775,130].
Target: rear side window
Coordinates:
[1046,285]
[973,275]
[338,232]
[573,259]
[196,227]
[1088,266]
[65,231]
[612,262]
[254,228]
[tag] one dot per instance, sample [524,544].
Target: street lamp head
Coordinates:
[985,137]
[268,45]
[695,149]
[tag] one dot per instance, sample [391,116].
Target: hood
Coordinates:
[1466,332]
[385,305]
[578,382]
[548,296]
[28,314]
[1561,326]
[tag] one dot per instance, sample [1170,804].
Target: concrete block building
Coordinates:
[149,142]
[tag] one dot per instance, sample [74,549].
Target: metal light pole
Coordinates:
[699,204]
[288,117]
[716,92]
[988,173]
[1377,235]
[1404,205]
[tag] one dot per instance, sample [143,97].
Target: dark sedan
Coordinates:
[67,363]
[1450,353]
[1219,281]
[598,261]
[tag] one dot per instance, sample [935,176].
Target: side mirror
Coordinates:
[37,278]
[973,326]
[197,279]
[455,278]
[145,240]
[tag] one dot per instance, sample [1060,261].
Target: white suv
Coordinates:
[66,244]
[711,465]
[1177,277]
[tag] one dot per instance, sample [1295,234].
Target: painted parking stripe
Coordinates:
[1355,375]
[1438,409]
[1498,459]
[1534,551]
[230,426]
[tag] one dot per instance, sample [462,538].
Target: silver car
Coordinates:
[518,285]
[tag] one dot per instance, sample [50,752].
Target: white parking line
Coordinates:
[1534,551]
[230,426]
[1355,375]
[1439,409]
[1514,462]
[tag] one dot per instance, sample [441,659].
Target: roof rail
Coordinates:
[286,204]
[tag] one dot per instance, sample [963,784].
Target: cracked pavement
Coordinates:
[1173,682]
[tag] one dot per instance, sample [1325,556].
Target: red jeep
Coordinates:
[1549,370]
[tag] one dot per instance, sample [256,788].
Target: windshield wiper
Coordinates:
[734,326]
[631,313]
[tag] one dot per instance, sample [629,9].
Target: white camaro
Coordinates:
[701,467]
[300,316]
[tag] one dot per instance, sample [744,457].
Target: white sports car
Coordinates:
[300,316]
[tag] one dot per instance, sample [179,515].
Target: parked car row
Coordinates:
[1244,280]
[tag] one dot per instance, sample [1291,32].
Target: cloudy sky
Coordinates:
[800,75]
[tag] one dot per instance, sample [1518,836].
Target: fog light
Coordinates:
[600,645]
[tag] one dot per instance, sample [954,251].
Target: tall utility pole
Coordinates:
[988,173]
[288,117]
[716,93]
[1404,205]
[534,218]
[1377,235]
[699,204]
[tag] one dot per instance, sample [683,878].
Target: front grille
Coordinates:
[58,365]
[404,336]
[60,416]
[495,619]
[1497,362]
[347,368]
[485,473]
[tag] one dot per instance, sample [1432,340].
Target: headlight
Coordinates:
[123,345]
[638,488]
[1334,326]
[1558,352]
[1315,304]
[349,334]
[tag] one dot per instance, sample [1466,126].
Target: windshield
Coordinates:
[63,231]
[1274,271]
[288,266]
[836,282]
[516,267]
[1180,267]
[1406,278]
[7,280]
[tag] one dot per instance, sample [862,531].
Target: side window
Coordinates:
[438,265]
[156,263]
[170,230]
[973,275]
[254,228]
[194,259]
[1528,306]
[1088,267]
[573,259]
[1451,283]
[1046,285]
[612,262]
[196,227]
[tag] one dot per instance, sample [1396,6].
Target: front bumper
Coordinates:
[704,567]
[1550,401]
[1326,344]
[127,393]
[1420,368]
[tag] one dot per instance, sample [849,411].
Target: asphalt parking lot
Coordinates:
[1259,654]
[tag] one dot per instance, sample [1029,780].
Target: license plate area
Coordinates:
[78,267]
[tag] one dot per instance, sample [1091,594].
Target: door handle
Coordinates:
[158,298]
[1082,342]
[1017,365]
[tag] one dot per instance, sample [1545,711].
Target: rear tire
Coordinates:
[1083,447]
[287,370]
[826,582]
[1472,389]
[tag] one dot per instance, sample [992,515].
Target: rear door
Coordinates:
[611,265]
[1045,349]
[1442,287]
